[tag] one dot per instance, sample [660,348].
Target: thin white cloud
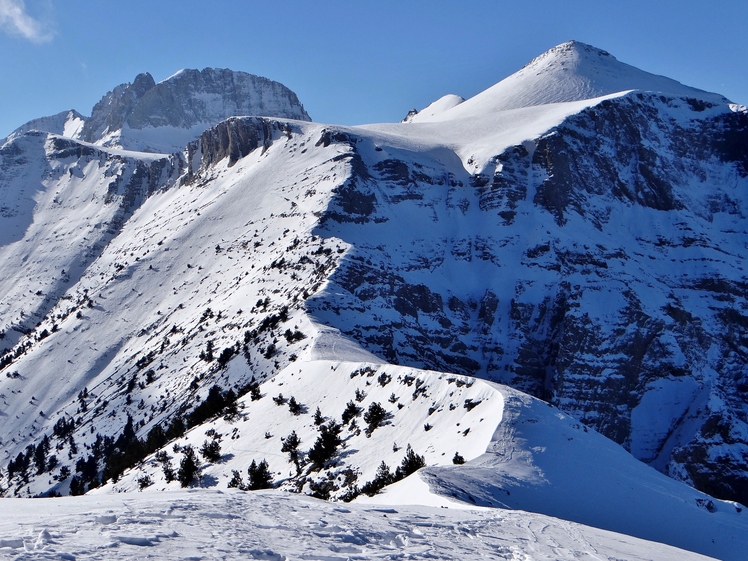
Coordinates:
[15,21]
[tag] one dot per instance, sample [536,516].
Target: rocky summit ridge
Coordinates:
[393,295]
[163,117]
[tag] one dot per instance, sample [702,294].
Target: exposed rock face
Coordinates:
[599,268]
[185,105]
[112,112]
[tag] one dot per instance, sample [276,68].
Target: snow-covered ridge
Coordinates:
[541,460]
[437,414]
[67,123]
[569,72]
[519,453]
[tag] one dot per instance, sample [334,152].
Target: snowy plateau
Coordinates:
[509,327]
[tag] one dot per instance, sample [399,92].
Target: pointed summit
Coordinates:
[66,123]
[571,71]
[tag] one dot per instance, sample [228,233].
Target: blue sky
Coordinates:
[353,61]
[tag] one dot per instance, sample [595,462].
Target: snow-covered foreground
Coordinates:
[520,454]
[202,524]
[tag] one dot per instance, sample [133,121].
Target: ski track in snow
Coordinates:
[278,526]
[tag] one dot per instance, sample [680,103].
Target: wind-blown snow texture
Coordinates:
[575,232]
[273,526]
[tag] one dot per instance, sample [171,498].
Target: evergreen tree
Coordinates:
[374,417]
[294,406]
[259,476]
[163,458]
[77,487]
[351,410]
[40,455]
[188,467]
[326,444]
[254,392]
[383,477]
[291,445]
[411,463]
[156,438]
[176,428]
[18,464]
[211,451]
[236,480]
[318,418]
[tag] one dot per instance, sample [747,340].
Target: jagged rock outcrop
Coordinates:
[183,106]
[111,113]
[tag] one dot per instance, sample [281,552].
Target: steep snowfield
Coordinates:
[62,202]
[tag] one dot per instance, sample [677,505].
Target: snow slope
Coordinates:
[541,460]
[62,201]
[203,524]
[571,71]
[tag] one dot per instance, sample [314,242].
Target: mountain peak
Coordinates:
[571,50]
[165,116]
[143,82]
[66,123]
[571,71]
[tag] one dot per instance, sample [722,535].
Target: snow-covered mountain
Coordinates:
[571,71]
[163,117]
[65,123]
[575,233]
